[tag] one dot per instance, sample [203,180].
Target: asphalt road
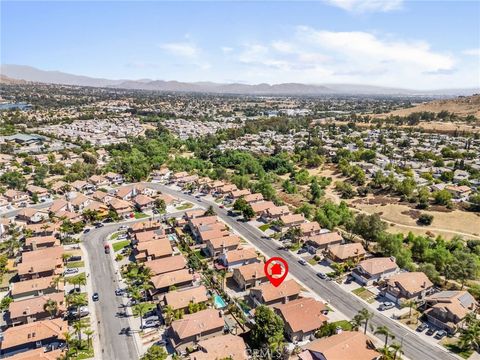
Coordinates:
[114,345]
[414,347]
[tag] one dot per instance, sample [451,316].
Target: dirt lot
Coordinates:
[444,223]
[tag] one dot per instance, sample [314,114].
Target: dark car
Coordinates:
[322,275]
[302,251]
[422,327]
[95,297]
[86,231]
[54,346]
[99,225]
[430,331]
[119,292]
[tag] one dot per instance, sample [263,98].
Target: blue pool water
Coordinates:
[172,237]
[219,302]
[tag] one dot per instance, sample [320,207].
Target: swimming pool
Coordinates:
[172,237]
[218,302]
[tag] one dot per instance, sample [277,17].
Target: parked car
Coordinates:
[221,206]
[86,231]
[70,271]
[440,334]
[55,345]
[302,251]
[150,324]
[430,331]
[123,228]
[75,290]
[74,258]
[422,327]
[99,225]
[322,275]
[302,262]
[95,297]
[386,305]
[73,312]
[119,292]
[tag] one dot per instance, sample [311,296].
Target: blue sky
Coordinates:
[411,44]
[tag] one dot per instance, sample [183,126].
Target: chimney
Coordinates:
[34,245]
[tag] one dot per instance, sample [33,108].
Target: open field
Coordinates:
[446,224]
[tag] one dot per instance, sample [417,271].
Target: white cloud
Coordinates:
[362,47]
[472,52]
[367,5]
[182,49]
[311,55]
[226,49]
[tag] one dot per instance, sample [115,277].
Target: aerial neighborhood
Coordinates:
[140,225]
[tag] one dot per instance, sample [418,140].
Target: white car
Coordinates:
[70,271]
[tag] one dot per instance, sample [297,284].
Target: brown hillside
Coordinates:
[462,106]
[9,81]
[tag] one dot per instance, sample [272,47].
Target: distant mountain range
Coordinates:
[28,73]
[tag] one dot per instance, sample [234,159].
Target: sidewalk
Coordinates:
[97,348]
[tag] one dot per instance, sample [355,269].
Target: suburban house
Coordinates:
[448,309]
[267,294]
[30,336]
[226,346]
[31,215]
[180,299]
[30,310]
[373,270]
[302,318]
[166,264]
[38,354]
[41,263]
[275,213]
[237,194]
[214,247]
[236,258]
[341,253]
[254,198]
[291,220]
[309,229]
[324,240]
[60,205]
[113,178]
[179,279]
[407,286]
[347,345]
[40,242]
[41,193]
[250,275]
[98,180]
[153,249]
[192,328]
[143,202]
[147,225]
[15,197]
[80,201]
[121,207]
[260,207]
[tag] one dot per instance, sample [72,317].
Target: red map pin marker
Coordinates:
[276,270]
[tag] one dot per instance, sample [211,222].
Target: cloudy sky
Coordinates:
[411,44]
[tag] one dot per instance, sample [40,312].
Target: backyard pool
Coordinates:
[172,237]
[218,302]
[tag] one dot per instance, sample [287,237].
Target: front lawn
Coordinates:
[344,324]
[452,345]
[150,307]
[120,245]
[199,254]
[140,215]
[264,227]
[75,264]
[185,206]
[364,294]
[312,261]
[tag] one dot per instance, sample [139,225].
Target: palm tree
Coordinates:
[77,301]
[397,350]
[386,353]
[51,307]
[57,280]
[385,331]
[410,304]
[141,309]
[222,275]
[356,322]
[89,332]
[470,337]
[79,280]
[78,326]
[295,234]
[168,314]
[366,316]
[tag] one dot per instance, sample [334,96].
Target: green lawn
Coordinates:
[264,227]
[120,245]
[185,206]
[150,307]
[83,354]
[114,236]
[75,264]
[140,215]
[312,261]
[365,294]
[453,347]
[344,324]
[200,254]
